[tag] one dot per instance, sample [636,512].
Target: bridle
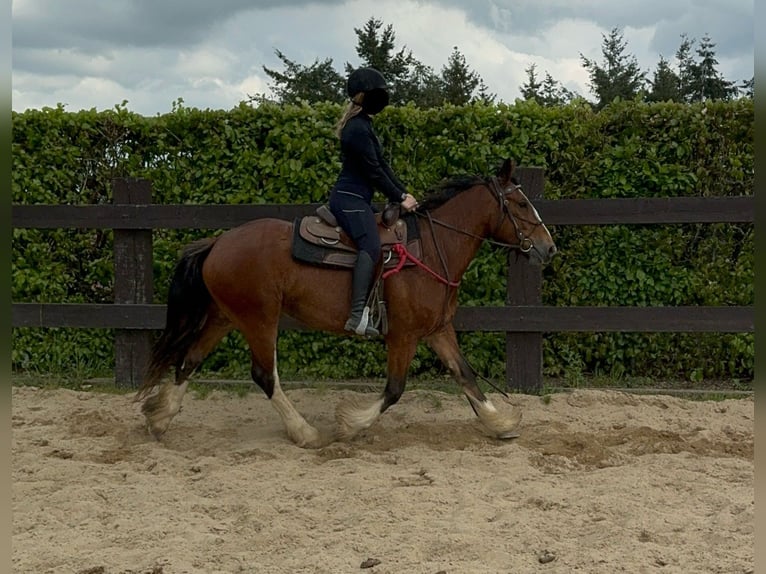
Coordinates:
[525,244]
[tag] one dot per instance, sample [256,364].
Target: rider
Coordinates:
[363,170]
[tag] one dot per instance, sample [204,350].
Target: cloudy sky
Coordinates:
[98,53]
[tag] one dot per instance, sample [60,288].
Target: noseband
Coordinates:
[525,243]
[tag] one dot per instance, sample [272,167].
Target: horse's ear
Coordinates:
[506,171]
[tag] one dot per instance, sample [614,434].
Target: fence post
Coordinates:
[524,351]
[132,283]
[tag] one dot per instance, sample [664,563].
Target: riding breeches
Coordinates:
[357,218]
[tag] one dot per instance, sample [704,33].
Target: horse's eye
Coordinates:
[523,204]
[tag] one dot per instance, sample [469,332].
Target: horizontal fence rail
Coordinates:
[528,319]
[554,212]
[524,319]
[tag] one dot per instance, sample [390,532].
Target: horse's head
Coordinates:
[519,223]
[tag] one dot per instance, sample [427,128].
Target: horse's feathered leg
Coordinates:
[160,408]
[193,327]
[354,416]
[299,431]
[497,422]
[265,375]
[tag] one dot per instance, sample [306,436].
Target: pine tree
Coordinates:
[483,94]
[531,89]
[708,83]
[665,85]
[699,79]
[315,83]
[549,92]
[619,76]
[458,80]
[686,68]
[553,93]
[746,88]
[375,48]
[409,80]
[424,87]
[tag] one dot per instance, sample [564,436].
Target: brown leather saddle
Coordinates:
[318,239]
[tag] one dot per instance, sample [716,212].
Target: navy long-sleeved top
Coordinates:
[364,168]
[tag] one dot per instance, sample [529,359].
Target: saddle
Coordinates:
[319,240]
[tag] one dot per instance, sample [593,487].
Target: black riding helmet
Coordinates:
[372,83]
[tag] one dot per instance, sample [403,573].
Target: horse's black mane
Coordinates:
[449,188]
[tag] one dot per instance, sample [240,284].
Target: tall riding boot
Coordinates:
[362,277]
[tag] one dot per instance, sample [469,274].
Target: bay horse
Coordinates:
[246,278]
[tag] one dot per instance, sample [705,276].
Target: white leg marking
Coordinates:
[159,409]
[500,424]
[356,415]
[299,431]
[175,397]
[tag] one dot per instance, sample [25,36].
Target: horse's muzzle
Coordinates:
[542,254]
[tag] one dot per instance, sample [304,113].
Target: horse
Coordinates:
[247,277]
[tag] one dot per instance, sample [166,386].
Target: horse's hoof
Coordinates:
[508,435]
[354,416]
[155,432]
[345,434]
[158,426]
[313,443]
[308,437]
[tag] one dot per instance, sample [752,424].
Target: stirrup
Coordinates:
[363,328]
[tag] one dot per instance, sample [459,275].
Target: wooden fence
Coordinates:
[524,319]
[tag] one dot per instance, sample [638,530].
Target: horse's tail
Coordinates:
[187,309]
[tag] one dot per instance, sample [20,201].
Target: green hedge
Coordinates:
[276,154]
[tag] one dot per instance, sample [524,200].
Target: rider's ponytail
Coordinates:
[352,109]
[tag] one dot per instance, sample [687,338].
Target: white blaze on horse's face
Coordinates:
[531,232]
[536,216]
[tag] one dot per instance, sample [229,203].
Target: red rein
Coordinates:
[403,254]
